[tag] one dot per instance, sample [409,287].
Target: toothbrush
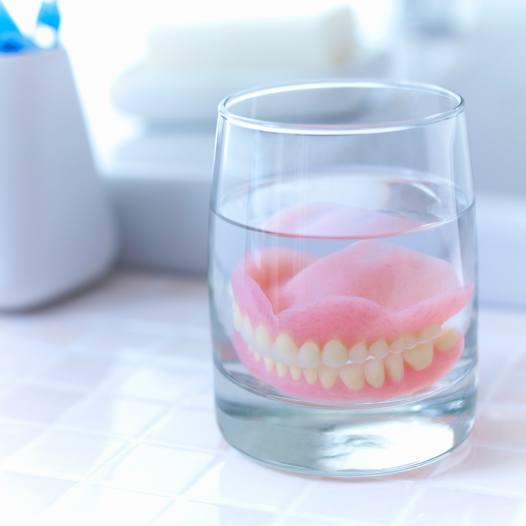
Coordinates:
[48,25]
[11,39]
[49,15]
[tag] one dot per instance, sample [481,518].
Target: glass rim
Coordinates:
[225,111]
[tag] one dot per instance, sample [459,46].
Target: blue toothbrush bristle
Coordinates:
[49,15]
[11,38]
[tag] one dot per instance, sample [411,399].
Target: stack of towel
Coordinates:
[189,69]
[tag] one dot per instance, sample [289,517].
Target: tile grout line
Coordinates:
[404,514]
[293,504]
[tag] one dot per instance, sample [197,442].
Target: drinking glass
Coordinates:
[343,276]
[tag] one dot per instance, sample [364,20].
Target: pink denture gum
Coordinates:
[370,322]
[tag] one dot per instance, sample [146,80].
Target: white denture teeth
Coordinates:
[309,355]
[407,341]
[429,333]
[311,375]
[246,329]
[262,340]
[372,363]
[394,365]
[334,353]
[379,348]
[295,372]
[269,363]
[358,353]
[353,377]
[328,376]
[420,357]
[447,340]
[284,349]
[374,373]
[281,369]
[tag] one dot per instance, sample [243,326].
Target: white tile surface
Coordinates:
[61,453]
[202,398]
[184,513]
[301,520]
[487,469]
[371,502]
[52,331]
[37,404]
[14,436]
[155,469]
[157,382]
[22,358]
[490,371]
[85,370]
[91,504]
[448,507]
[232,481]
[120,340]
[510,390]
[25,496]
[113,415]
[188,344]
[502,425]
[107,417]
[188,427]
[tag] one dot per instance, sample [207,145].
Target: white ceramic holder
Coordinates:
[56,230]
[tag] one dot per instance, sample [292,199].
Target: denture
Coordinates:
[370,322]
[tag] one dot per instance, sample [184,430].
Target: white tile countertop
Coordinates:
[106,417]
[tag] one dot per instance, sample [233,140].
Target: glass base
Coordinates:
[366,440]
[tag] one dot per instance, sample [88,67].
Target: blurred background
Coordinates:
[150,76]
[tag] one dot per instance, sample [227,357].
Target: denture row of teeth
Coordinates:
[355,366]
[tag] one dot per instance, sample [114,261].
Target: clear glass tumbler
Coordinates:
[343,276]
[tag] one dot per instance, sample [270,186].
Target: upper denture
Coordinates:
[371,290]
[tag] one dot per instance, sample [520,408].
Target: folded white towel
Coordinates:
[320,42]
[189,69]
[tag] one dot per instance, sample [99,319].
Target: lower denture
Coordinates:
[367,323]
